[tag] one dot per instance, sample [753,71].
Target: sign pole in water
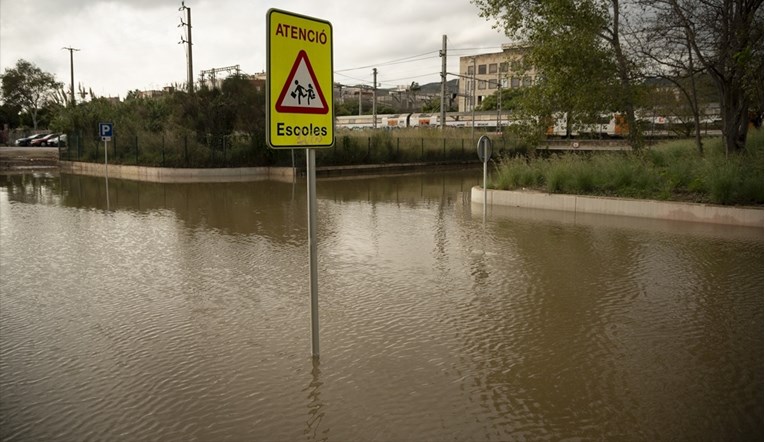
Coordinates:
[299,88]
[312,252]
[106,131]
[484,153]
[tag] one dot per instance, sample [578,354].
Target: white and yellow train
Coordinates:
[612,125]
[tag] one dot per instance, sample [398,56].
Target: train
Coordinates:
[423,119]
[607,125]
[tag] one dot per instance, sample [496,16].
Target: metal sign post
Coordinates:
[106,130]
[484,154]
[299,83]
[312,253]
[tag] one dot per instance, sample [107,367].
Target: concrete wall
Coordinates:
[170,175]
[704,213]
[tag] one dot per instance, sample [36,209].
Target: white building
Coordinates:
[483,74]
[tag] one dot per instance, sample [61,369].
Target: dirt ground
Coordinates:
[28,158]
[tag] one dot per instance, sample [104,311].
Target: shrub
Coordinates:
[672,170]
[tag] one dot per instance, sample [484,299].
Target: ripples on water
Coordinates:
[181,313]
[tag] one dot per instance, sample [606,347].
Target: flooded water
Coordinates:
[180,312]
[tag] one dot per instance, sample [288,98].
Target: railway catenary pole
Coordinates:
[443,83]
[374,99]
[189,52]
[499,101]
[472,101]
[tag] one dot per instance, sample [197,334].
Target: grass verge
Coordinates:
[673,171]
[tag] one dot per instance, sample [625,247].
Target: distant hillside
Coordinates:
[435,88]
[430,88]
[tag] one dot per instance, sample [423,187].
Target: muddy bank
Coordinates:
[28,158]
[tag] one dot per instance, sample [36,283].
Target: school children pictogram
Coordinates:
[302,93]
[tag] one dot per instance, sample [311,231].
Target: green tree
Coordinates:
[508,102]
[345,108]
[577,47]
[248,103]
[27,87]
[9,114]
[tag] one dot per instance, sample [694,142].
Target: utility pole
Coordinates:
[472,101]
[499,101]
[443,82]
[374,99]
[187,41]
[71,71]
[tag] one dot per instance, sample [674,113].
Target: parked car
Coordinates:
[58,141]
[26,140]
[42,141]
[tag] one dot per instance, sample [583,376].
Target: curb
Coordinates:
[662,210]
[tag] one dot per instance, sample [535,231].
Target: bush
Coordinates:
[671,171]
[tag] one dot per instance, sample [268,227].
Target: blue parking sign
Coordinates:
[106,130]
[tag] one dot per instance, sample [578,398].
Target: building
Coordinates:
[153,93]
[483,74]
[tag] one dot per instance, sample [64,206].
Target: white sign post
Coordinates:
[484,154]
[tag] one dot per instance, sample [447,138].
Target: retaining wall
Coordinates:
[173,175]
[674,211]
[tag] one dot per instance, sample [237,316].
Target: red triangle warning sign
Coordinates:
[301,93]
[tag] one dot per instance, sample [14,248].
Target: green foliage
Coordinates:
[566,45]
[209,128]
[734,179]
[27,87]
[509,101]
[346,108]
[672,171]
[517,173]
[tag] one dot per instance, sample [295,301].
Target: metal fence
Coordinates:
[208,151]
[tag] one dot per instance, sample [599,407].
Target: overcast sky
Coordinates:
[133,44]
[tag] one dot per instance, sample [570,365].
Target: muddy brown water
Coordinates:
[181,312]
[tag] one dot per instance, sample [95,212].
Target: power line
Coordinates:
[430,74]
[353,78]
[409,59]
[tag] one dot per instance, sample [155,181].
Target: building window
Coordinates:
[515,82]
[492,84]
[503,67]
[527,81]
[481,85]
[493,68]
[471,70]
[504,82]
[480,99]
[481,69]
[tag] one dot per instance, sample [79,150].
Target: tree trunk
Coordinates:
[694,98]
[635,138]
[735,116]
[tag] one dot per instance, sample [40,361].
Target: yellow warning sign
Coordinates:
[299,81]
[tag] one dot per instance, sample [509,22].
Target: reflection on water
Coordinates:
[181,312]
[315,405]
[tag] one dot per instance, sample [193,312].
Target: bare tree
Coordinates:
[665,45]
[726,37]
